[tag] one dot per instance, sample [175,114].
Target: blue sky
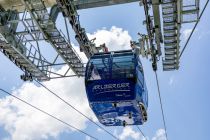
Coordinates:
[185,92]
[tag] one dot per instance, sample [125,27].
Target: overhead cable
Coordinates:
[52,116]
[161,105]
[141,132]
[193,29]
[76,109]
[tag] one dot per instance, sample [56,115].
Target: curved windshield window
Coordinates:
[123,66]
[108,66]
[99,68]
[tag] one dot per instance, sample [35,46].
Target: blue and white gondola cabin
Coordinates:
[116,88]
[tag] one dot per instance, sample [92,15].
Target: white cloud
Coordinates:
[129,133]
[160,135]
[115,38]
[87,138]
[186,33]
[115,132]
[171,80]
[22,122]
[199,33]
[99,130]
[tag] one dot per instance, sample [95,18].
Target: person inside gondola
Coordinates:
[94,73]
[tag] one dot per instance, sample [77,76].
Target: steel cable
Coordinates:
[161,105]
[76,110]
[48,114]
[193,29]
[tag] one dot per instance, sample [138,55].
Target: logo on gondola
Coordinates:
[111,87]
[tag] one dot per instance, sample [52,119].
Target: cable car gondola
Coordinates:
[116,88]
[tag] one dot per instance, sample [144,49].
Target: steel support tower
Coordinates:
[25,23]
